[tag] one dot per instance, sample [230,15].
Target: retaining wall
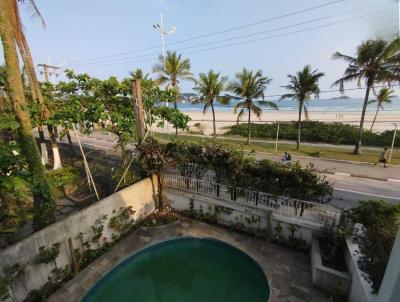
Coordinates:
[360,290]
[250,217]
[139,196]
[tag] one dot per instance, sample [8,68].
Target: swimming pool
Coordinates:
[181,270]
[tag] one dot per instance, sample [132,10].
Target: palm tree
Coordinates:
[303,85]
[376,61]
[210,86]
[174,70]
[384,97]
[43,204]
[26,56]
[247,87]
[138,74]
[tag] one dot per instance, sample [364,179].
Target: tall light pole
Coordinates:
[160,28]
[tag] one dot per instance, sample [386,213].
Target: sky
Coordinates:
[91,35]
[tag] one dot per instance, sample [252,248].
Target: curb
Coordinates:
[360,176]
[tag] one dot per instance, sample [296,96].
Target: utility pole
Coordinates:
[394,138]
[48,71]
[137,95]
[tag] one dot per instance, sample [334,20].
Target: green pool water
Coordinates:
[183,270]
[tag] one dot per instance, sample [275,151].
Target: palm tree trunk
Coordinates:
[35,91]
[376,114]
[248,127]
[299,125]
[44,206]
[214,127]
[357,148]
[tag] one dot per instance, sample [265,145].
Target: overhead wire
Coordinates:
[216,32]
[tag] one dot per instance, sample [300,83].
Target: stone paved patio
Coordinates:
[288,271]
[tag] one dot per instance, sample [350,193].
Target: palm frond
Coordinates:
[269,104]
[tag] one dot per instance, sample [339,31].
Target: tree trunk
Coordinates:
[248,127]
[214,127]
[69,137]
[54,147]
[357,148]
[299,125]
[44,206]
[376,114]
[43,147]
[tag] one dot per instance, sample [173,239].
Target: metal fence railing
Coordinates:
[281,205]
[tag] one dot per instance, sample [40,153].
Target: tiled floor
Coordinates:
[288,271]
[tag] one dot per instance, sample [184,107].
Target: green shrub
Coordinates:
[331,243]
[235,168]
[314,131]
[380,223]
[62,177]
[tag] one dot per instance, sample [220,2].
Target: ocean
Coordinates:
[316,105]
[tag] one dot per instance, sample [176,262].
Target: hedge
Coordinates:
[321,132]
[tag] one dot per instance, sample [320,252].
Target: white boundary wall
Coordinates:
[180,200]
[360,290]
[139,196]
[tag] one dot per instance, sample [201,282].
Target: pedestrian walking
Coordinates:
[382,158]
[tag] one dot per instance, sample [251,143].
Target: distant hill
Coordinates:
[342,97]
[187,95]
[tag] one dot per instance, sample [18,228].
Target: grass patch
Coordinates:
[367,155]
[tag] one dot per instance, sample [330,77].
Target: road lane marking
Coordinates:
[363,193]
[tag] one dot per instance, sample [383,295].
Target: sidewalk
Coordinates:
[331,166]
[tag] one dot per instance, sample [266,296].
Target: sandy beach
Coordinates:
[385,120]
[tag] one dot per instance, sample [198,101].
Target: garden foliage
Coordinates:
[314,131]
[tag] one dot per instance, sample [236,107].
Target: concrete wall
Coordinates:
[333,281]
[180,200]
[390,286]
[360,290]
[139,196]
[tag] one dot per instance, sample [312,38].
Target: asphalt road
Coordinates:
[348,190]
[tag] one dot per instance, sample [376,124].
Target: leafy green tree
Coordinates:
[153,160]
[303,85]
[44,205]
[15,185]
[380,224]
[376,61]
[384,96]
[210,86]
[138,74]
[247,87]
[178,119]
[175,69]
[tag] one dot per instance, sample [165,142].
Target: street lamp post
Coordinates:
[160,28]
